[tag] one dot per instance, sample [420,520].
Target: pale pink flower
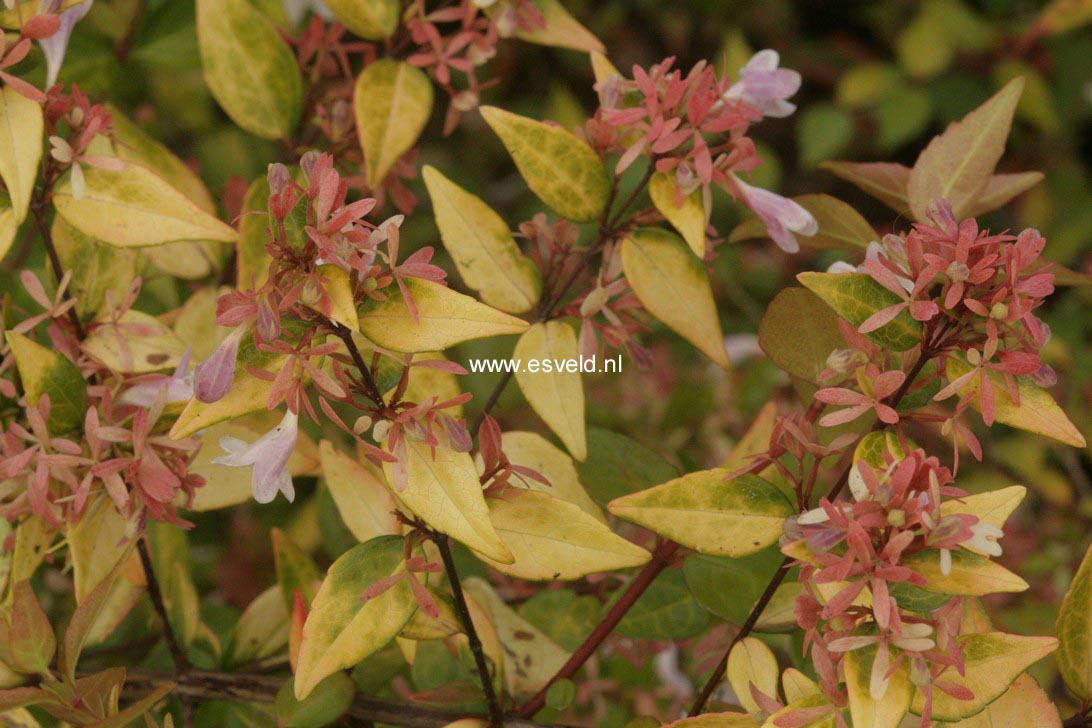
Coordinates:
[212,377]
[55,46]
[178,387]
[269,455]
[764,86]
[782,216]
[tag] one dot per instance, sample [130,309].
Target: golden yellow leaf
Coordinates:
[1023,705]
[392,101]
[708,512]
[689,219]
[555,392]
[866,711]
[362,498]
[673,286]
[993,507]
[370,19]
[21,128]
[481,244]
[532,450]
[562,30]
[552,539]
[445,493]
[136,344]
[1074,629]
[134,207]
[970,575]
[445,318]
[796,685]
[752,662]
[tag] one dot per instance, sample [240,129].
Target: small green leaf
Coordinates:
[342,629]
[559,167]
[561,694]
[1075,632]
[855,297]
[327,702]
[798,333]
[618,465]
[47,373]
[392,101]
[260,632]
[666,611]
[296,570]
[249,69]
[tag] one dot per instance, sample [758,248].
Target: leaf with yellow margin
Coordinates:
[370,19]
[970,575]
[362,498]
[866,711]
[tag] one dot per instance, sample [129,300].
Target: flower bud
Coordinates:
[1045,376]
[843,361]
[212,377]
[897,518]
[381,430]
[278,177]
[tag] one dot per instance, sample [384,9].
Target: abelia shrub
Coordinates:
[298,342]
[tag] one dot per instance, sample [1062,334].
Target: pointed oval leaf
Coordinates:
[555,392]
[482,246]
[251,258]
[134,207]
[46,372]
[134,343]
[866,711]
[261,632]
[326,703]
[957,164]
[709,513]
[1037,411]
[370,19]
[559,167]
[688,219]
[1024,704]
[21,128]
[341,628]
[1000,188]
[970,575]
[798,332]
[98,269]
[445,492]
[392,101]
[673,286]
[561,30]
[532,450]
[751,662]
[365,504]
[993,507]
[841,227]
[249,69]
[1075,632]
[444,318]
[886,181]
[551,539]
[993,660]
[855,297]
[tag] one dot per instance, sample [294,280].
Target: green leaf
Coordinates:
[21,128]
[970,575]
[866,711]
[370,19]
[134,207]
[993,660]
[841,227]
[1037,411]
[902,117]
[618,465]
[866,84]
[666,611]
[47,373]
[957,164]
[342,629]
[554,392]
[1075,632]
[392,101]
[855,297]
[482,246]
[249,69]
[562,615]
[327,702]
[559,167]
[671,283]
[444,318]
[689,219]
[729,587]
[886,181]
[798,333]
[709,513]
[84,618]
[822,132]
[260,632]
[296,570]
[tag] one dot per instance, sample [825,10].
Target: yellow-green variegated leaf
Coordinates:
[689,219]
[261,632]
[671,283]
[532,657]
[957,164]
[1023,705]
[445,493]
[1075,632]
[338,303]
[709,513]
[134,343]
[482,246]
[370,19]
[252,259]
[392,100]
[21,127]
[866,711]
[561,30]
[556,391]
[796,685]
[8,226]
[250,70]
[444,318]
[552,539]
[716,720]
[98,269]
[970,575]
[341,628]
[993,660]
[362,498]
[855,297]
[751,662]
[134,207]
[1037,411]
[44,372]
[559,167]
[993,507]
[532,450]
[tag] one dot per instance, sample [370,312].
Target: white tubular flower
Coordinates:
[269,455]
